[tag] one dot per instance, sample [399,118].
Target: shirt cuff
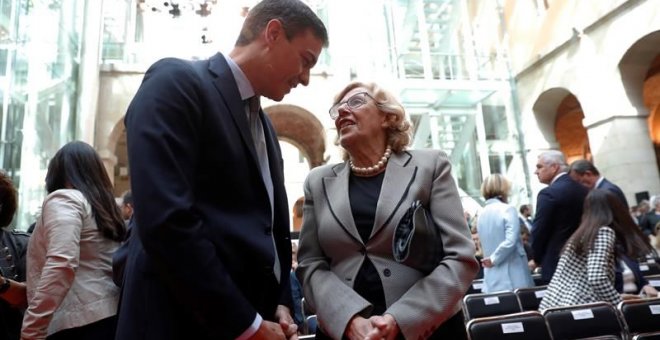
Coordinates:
[254,327]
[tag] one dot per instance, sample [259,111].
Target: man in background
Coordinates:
[585,173]
[558,211]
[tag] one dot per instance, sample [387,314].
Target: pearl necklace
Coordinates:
[374,169]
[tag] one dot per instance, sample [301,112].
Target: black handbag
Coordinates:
[417,242]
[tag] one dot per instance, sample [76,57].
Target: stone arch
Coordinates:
[300,128]
[117,145]
[559,116]
[640,73]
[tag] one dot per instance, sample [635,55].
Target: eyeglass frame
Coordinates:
[336,106]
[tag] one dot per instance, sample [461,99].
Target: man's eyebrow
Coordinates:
[311,55]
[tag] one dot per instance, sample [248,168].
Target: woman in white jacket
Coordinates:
[70,290]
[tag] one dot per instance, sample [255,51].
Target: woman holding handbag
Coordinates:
[346,260]
[69,279]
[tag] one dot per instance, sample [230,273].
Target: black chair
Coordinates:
[517,326]
[647,336]
[530,298]
[590,320]
[649,268]
[311,324]
[538,281]
[475,287]
[641,316]
[490,304]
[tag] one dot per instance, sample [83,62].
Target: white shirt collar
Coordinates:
[244,87]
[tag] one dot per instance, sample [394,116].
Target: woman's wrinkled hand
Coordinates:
[385,327]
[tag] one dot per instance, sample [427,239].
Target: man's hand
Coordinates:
[268,331]
[385,327]
[358,328]
[289,327]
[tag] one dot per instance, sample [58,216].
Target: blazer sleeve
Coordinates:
[335,302]
[62,215]
[164,124]
[416,313]
[600,269]
[542,230]
[511,234]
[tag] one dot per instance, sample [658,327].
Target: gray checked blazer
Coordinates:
[331,251]
[585,279]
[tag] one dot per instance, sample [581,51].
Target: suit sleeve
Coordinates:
[600,271]
[511,233]
[164,123]
[334,302]
[542,225]
[416,314]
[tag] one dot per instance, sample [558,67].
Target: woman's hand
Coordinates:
[289,327]
[626,296]
[487,263]
[358,328]
[385,327]
[650,291]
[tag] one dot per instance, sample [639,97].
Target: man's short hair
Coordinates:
[127,198]
[296,18]
[554,157]
[582,166]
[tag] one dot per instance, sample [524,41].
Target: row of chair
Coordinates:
[636,319]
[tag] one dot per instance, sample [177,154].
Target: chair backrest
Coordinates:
[649,268]
[647,336]
[642,316]
[517,326]
[530,298]
[311,324]
[475,287]
[490,304]
[654,280]
[584,321]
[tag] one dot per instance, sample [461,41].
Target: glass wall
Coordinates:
[39,58]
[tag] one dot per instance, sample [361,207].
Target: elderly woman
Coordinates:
[505,260]
[69,279]
[346,263]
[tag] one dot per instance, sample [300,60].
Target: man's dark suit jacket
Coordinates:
[200,257]
[613,188]
[558,214]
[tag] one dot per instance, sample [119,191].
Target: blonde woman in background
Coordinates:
[505,260]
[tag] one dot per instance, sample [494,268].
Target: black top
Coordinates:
[363,193]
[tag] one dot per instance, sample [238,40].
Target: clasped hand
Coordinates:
[375,328]
[286,328]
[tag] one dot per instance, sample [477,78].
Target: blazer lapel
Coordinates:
[225,83]
[398,179]
[336,194]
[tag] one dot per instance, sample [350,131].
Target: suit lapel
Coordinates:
[336,192]
[225,83]
[398,179]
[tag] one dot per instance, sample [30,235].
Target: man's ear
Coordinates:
[273,31]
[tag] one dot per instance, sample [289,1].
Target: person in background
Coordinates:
[526,216]
[650,219]
[478,254]
[126,206]
[585,173]
[505,260]
[209,255]
[70,292]
[13,250]
[296,288]
[346,260]
[558,211]
[586,269]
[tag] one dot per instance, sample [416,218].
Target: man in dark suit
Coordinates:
[558,211]
[585,173]
[210,252]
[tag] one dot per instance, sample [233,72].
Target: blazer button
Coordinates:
[268,230]
[387,272]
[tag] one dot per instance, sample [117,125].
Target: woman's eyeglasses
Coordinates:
[353,102]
